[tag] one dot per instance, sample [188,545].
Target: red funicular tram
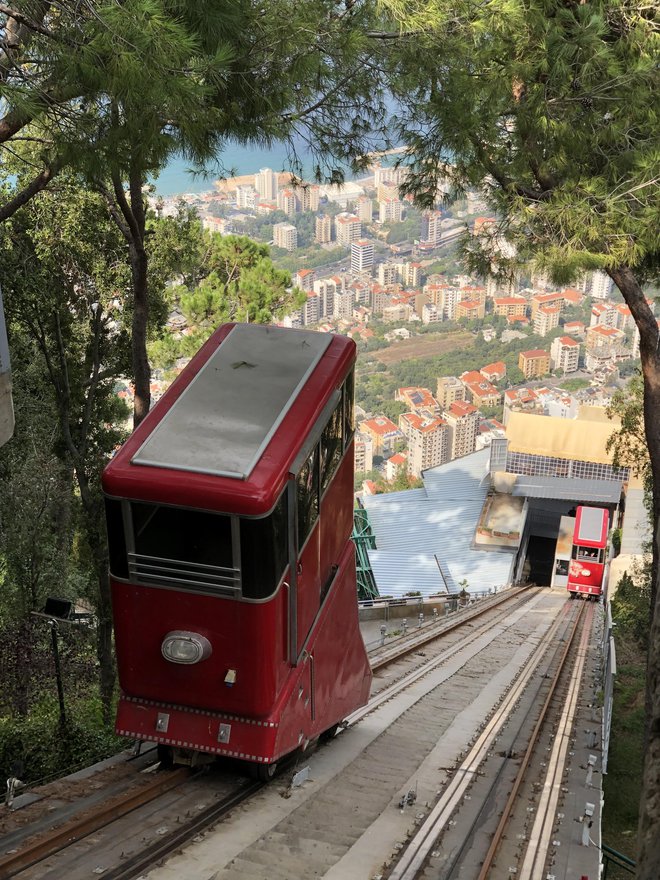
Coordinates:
[588,563]
[229,514]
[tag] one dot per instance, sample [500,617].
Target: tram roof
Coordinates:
[226,416]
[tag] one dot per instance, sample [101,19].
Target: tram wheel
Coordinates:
[165,756]
[328,734]
[263,772]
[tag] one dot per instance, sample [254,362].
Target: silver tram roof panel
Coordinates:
[591,524]
[225,418]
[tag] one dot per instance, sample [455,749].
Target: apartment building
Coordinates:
[397,313]
[265,183]
[515,306]
[470,308]
[417,399]
[364,209]
[383,432]
[390,210]
[494,372]
[430,313]
[539,300]
[449,390]
[565,354]
[604,313]
[534,363]
[599,284]
[362,256]
[603,346]
[396,465]
[285,235]
[428,441]
[246,197]
[574,328]
[431,228]
[462,420]
[323,229]
[388,274]
[521,400]
[546,319]
[304,278]
[479,391]
[311,310]
[327,288]
[307,197]
[364,456]
[344,303]
[287,202]
[347,228]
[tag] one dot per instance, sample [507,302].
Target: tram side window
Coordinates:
[182,535]
[307,493]
[264,552]
[331,446]
[349,407]
[116,538]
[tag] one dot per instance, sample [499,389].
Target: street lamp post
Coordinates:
[55,611]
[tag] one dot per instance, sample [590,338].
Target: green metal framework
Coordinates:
[616,860]
[363,538]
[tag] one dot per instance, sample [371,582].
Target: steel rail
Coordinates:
[499,831]
[75,829]
[386,657]
[539,840]
[424,841]
[146,858]
[396,687]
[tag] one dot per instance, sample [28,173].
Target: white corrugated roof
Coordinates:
[415,526]
[578,490]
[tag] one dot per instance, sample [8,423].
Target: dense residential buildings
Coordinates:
[428,441]
[598,284]
[520,400]
[285,235]
[390,211]
[534,363]
[364,209]
[470,309]
[494,372]
[565,354]
[304,278]
[246,197]
[307,196]
[462,423]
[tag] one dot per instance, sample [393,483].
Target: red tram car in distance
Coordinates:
[229,514]
[586,570]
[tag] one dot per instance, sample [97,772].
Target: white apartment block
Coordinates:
[265,183]
[397,313]
[599,284]
[410,273]
[462,421]
[605,313]
[285,235]
[311,311]
[246,197]
[565,354]
[390,211]
[347,228]
[362,256]
[323,229]
[431,227]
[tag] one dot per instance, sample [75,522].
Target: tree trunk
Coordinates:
[141,367]
[648,841]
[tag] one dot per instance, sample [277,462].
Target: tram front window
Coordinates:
[264,552]
[191,538]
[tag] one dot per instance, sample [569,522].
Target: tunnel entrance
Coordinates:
[540,556]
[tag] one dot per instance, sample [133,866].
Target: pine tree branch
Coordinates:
[36,185]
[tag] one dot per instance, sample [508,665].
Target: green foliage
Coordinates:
[628,443]
[630,607]
[45,750]
[574,384]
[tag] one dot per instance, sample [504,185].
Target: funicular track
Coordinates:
[33,852]
[439,847]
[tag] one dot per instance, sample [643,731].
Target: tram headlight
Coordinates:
[185,647]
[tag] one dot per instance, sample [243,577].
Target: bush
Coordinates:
[38,748]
